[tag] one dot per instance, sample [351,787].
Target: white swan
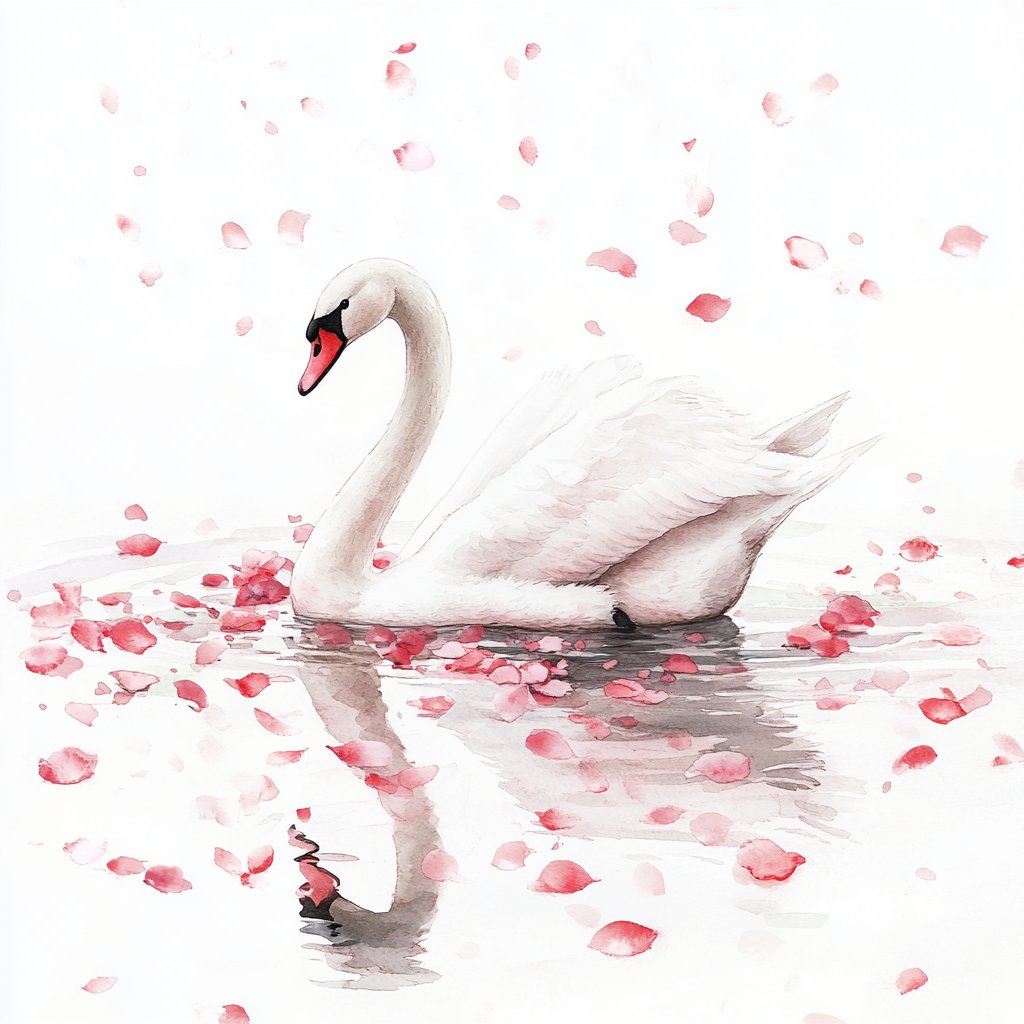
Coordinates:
[597,495]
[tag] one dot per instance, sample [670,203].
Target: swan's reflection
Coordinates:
[645,760]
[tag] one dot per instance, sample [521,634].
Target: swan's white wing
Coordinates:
[637,460]
[549,405]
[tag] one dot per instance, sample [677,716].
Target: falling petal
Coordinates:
[414,156]
[291,226]
[804,253]
[614,261]
[776,109]
[823,85]
[709,307]
[962,241]
[528,150]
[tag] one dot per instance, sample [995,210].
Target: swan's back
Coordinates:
[587,471]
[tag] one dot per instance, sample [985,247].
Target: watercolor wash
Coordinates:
[590,691]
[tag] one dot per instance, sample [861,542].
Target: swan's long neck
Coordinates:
[340,550]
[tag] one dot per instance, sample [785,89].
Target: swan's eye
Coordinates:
[344,304]
[316,349]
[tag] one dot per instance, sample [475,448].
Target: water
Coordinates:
[608,783]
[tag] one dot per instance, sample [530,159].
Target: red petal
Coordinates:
[260,859]
[214,579]
[274,725]
[241,622]
[555,820]
[233,1014]
[364,753]
[709,307]
[167,878]
[433,707]
[126,866]
[665,815]
[550,744]
[916,757]
[679,663]
[532,51]
[132,636]
[139,544]
[562,876]
[685,234]
[766,861]
[233,236]
[918,550]
[191,691]
[405,48]
[251,685]
[440,866]
[623,938]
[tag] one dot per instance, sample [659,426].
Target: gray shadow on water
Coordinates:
[644,753]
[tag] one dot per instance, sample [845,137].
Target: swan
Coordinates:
[601,499]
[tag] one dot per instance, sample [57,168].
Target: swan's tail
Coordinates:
[825,471]
[805,434]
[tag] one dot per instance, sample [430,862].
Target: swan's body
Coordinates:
[597,492]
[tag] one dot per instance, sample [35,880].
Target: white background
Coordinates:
[116,393]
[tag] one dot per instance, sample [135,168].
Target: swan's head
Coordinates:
[357,300]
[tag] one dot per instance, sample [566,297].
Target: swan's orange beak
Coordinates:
[322,354]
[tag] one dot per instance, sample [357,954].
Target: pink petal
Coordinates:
[432,707]
[191,691]
[233,1014]
[67,767]
[962,241]
[108,99]
[594,328]
[709,307]
[679,663]
[99,985]
[767,862]
[440,866]
[723,766]
[528,150]
[623,689]
[776,109]
[84,713]
[855,238]
[43,659]
[233,236]
[532,51]
[131,636]
[270,128]
[405,48]
[835,702]
[550,744]
[134,682]
[871,290]
[831,647]
[562,876]
[699,198]
[512,68]
[874,548]
[685,234]
[511,856]
[511,702]
[291,226]
[711,828]
[139,544]
[126,866]
[150,274]
[139,171]
[128,228]
[665,815]
[274,725]
[623,938]
[167,879]
[241,622]
[689,145]
[823,85]
[508,203]
[260,858]
[595,780]
[364,753]
[916,757]
[85,851]
[918,550]
[399,79]
[555,820]
[910,979]
[312,107]
[414,156]
[214,579]
[227,861]
[209,651]
[804,253]
[648,879]
[958,635]
[278,757]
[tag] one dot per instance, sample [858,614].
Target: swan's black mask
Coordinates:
[328,341]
